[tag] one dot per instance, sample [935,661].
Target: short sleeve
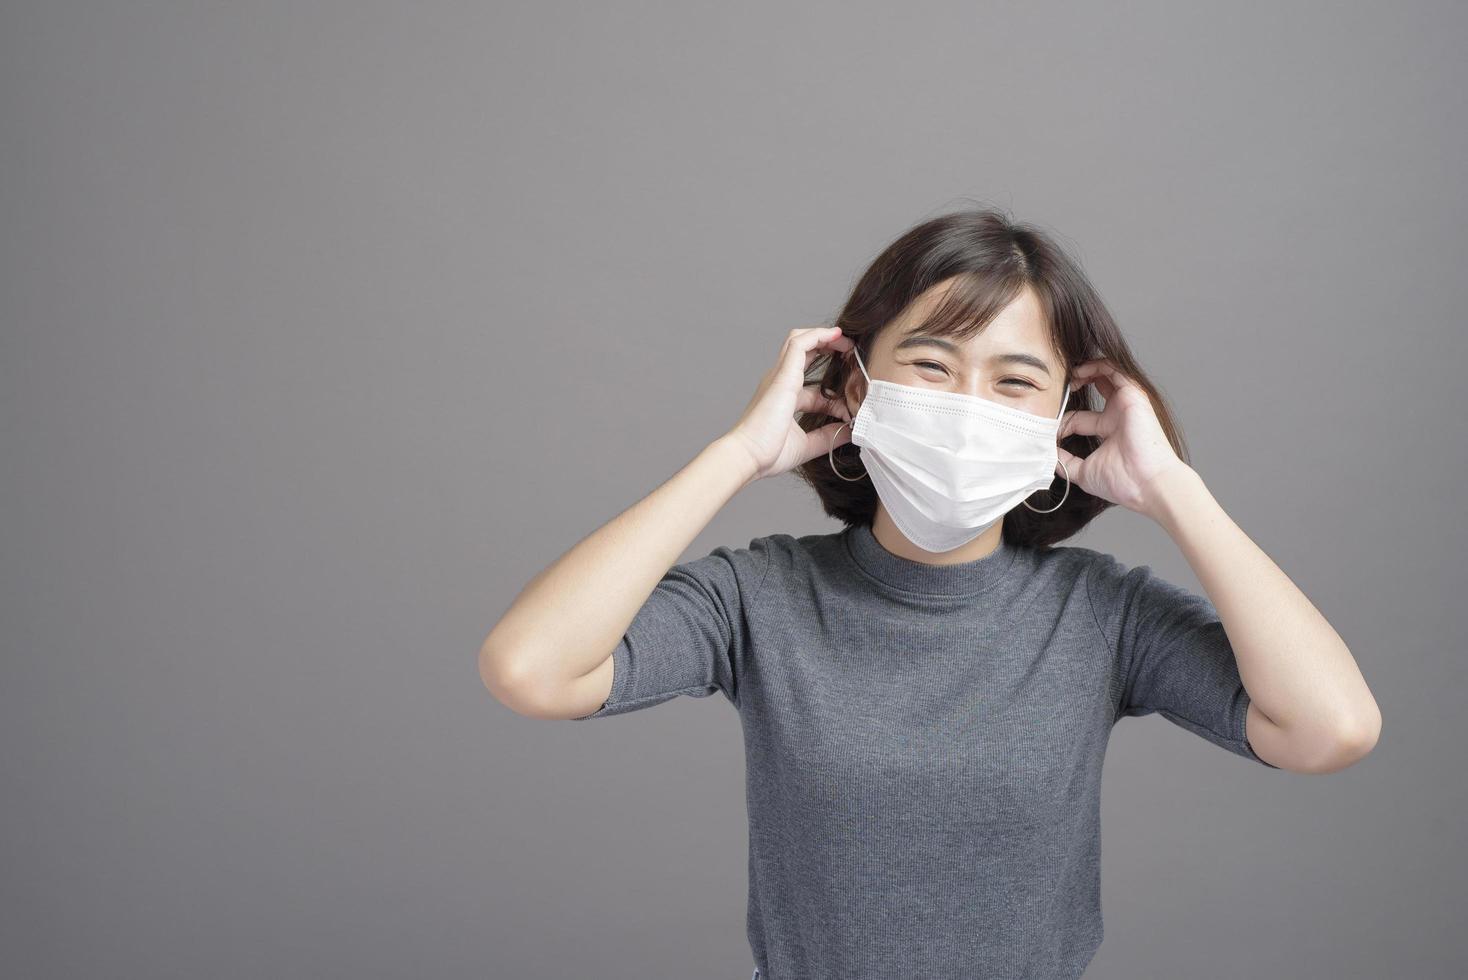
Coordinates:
[1172,655]
[690,635]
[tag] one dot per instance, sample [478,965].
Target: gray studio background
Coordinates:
[327,326]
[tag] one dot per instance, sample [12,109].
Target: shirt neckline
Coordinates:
[909,575]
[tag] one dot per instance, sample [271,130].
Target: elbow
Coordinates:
[507,680]
[1352,741]
[1359,738]
[517,680]
[492,671]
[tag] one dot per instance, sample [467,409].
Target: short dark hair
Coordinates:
[994,258]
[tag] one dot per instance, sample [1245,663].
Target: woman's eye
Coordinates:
[931,364]
[1020,381]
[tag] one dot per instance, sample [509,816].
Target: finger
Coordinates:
[809,338]
[1094,365]
[1101,382]
[1101,371]
[838,345]
[812,355]
[803,345]
[819,442]
[1081,422]
[1072,463]
[810,399]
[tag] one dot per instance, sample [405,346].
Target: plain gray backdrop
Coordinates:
[327,326]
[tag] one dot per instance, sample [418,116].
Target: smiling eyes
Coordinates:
[939,367]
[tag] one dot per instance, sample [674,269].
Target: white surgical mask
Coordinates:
[946,465]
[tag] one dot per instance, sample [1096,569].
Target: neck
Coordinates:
[893,540]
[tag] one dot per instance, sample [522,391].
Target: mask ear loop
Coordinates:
[831,453]
[1064,400]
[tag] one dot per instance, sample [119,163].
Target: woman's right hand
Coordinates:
[768,428]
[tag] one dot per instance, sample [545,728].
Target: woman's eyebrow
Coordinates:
[1014,357]
[920,340]
[1017,358]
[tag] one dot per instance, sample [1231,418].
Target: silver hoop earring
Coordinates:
[831,456]
[1065,469]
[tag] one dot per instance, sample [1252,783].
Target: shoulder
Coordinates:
[1126,597]
[749,566]
[1074,565]
[1104,573]
[796,564]
[1108,582]
[782,550]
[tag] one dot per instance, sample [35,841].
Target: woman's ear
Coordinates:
[852,390]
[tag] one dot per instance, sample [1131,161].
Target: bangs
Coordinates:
[968,305]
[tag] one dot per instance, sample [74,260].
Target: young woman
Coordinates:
[926,695]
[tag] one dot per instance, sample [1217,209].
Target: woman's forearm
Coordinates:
[1297,669]
[566,621]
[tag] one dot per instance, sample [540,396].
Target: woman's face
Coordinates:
[1010,361]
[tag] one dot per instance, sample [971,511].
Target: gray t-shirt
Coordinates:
[923,743]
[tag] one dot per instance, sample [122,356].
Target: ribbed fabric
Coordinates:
[924,742]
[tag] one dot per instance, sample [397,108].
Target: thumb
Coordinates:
[825,438]
[1073,464]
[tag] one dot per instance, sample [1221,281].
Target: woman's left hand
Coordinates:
[1134,451]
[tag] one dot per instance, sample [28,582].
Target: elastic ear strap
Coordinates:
[1063,400]
[861,365]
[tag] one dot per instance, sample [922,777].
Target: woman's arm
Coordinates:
[549,656]
[1311,710]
